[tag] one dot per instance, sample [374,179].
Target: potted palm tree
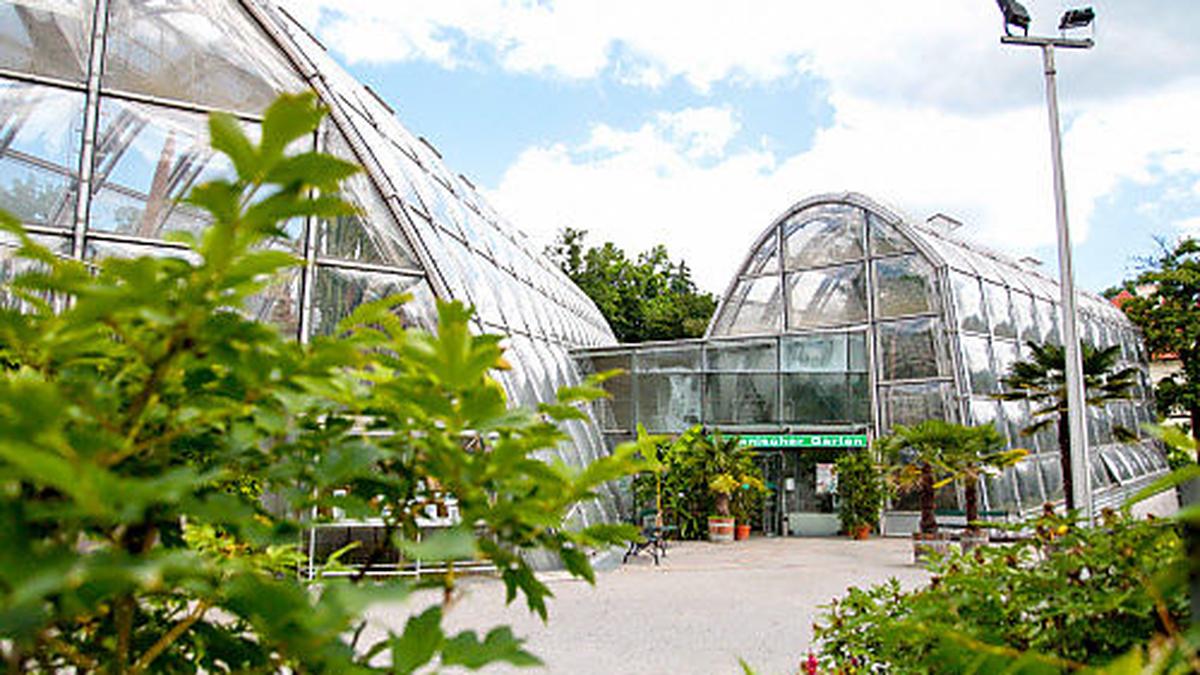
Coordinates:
[916,455]
[1040,380]
[860,493]
[719,466]
[747,501]
[981,451]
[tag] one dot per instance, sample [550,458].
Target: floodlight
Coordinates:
[1076,18]
[1015,14]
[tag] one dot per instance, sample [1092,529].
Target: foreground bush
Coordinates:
[1067,597]
[143,421]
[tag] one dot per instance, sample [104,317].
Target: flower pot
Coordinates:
[742,532]
[861,532]
[926,544]
[720,529]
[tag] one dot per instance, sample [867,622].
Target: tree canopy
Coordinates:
[1169,317]
[649,297]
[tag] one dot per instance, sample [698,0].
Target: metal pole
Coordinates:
[1081,477]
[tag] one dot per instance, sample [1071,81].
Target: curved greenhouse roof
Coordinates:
[103,118]
[846,318]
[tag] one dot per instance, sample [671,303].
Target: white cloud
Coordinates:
[1190,227]
[930,112]
[650,185]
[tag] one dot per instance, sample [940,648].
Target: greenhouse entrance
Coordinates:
[798,469]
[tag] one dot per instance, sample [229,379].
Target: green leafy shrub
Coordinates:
[860,490]
[1065,597]
[141,422]
[698,472]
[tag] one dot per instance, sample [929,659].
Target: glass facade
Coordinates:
[846,317]
[102,111]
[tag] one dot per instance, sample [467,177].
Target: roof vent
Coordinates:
[1031,261]
[943,221]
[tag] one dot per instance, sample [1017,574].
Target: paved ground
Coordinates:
[702,609]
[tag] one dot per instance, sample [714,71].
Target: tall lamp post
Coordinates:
[1016,15]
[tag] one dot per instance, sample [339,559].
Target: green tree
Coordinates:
[650,298]
[144,425]
[1041,381]
[1169,316]
[982,450]
[917,454]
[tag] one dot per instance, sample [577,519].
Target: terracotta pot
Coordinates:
[742,532]
[720,529]
[861,532]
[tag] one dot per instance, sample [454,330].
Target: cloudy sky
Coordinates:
[694,123]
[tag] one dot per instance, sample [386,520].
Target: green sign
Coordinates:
[804,440]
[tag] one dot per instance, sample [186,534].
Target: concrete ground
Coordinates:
[706,606]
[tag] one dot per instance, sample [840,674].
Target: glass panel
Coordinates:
[904,286]
[823,235]
[1017,418]
[46,38]
[1051,470]
[207,51]
[830,296]
[755,306]
[968,302]
[910,349]
[825,398]
[910,404]
[682,360]
[11,264]
[615,412]
[336,292]
[1024,312]
[759,355]
[1101,477]
[1005,354]
[885,239]
[977,359]
[1001,492]
[1116,464]
[999,310]
[1029,485]
[1047,316]
[741,399]
[40,132]
[373,235]
[668,403]
[820,353]
[766,259]
[147,159]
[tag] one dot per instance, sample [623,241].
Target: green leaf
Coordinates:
[312,169]
[227,136]
[421,640]
[455,543]
[500,645]
[288,118]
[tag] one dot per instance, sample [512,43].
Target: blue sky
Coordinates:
[695,123]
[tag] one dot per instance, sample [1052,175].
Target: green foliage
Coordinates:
[1041,381]
[701,475]
[650,298]
[935,450]
[140,425]
[1170,324]
[1065,597]
[860,490]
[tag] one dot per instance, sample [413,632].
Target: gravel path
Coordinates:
[702,609]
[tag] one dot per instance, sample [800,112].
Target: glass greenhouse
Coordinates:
[846,319]
[103,129]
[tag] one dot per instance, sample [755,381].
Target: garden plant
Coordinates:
[860,491]
[143,419]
